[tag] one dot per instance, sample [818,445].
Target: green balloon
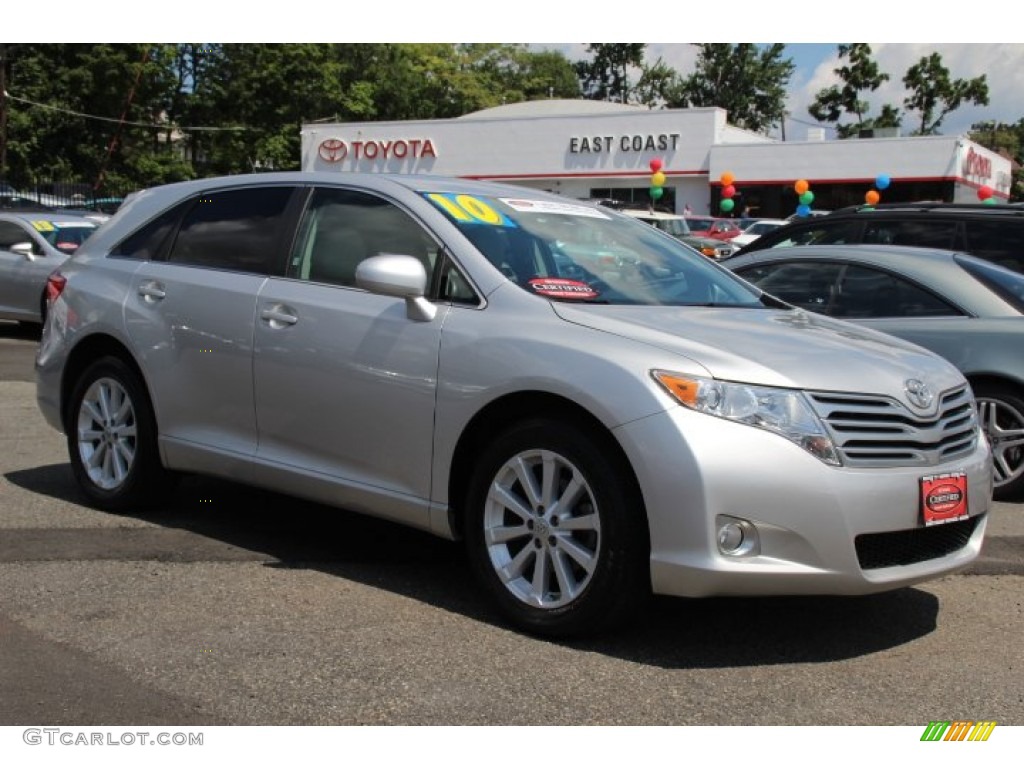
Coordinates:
[807,197]
[727,204]
[656,193]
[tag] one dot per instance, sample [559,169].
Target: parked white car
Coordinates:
[755,230]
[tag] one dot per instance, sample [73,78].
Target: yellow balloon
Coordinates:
[658,179]
[727,179]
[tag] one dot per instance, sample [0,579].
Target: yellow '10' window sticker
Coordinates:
[43,226]
[469,209]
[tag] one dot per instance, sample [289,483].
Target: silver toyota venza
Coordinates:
[599,412]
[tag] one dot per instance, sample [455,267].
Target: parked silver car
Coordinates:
[32,245]
[594,428]
[964,308]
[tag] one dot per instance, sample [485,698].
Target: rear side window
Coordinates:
[238,229]
[866,293]
[1001,242]
[918,232]
[819,232]
[809,285]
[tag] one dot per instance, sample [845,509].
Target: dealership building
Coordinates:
[593,149]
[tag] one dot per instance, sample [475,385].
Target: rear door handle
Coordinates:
[152,291]
[279,316]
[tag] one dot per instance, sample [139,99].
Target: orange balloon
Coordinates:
[801,186]
[727,179]
[872,197]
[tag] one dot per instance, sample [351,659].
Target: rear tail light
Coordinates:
[55,287]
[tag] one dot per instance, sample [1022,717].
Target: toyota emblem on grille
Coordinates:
[918,393]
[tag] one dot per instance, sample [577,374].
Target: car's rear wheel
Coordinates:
[1001,414]
[111,437]
[555,530]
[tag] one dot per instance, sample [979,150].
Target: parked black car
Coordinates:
[991,232]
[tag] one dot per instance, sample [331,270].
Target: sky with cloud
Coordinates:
[1001,63]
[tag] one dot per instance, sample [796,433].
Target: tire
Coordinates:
[111,434]
[1001,415]
[557,571]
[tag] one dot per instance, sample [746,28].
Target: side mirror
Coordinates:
[400,276]
[25,249]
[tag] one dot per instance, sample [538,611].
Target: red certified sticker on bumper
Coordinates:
[944,498]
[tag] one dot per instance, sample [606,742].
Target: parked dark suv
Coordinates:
[992,232]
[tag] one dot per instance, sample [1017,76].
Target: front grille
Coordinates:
[879,431]
[884,550]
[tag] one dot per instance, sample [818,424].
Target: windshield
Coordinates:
[65,236]
[572,252]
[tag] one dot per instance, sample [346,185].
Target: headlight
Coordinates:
[783,411]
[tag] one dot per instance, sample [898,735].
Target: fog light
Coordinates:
[730,537]
[737,537]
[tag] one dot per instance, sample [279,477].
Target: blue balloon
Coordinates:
[803,210]
[882,181]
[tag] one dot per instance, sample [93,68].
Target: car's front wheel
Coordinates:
[111,437]
[1001,414]
[555,530]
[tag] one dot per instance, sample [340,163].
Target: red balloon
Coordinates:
[655,165]
[984,193]
[728,191]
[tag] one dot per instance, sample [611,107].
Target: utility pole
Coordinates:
[3,111]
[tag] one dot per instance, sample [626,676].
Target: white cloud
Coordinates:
[1001,63]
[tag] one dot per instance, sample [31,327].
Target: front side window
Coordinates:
[578,253]
[12,234]
[237,229]
[342,227]
[809,285]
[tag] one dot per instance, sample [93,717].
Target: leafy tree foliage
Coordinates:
[199,109]
[746,80]
[861,74]
[605,77]
[934,94]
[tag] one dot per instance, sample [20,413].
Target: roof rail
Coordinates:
[1007,208]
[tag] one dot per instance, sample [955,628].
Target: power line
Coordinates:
[161,126]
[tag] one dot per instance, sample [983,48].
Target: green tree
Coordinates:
[605,77]
[860,75]
[746,80]
[658,86]
[90,112]
[934,94]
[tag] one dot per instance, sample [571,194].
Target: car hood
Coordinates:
[784,348]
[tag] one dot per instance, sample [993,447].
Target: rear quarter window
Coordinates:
[996,240]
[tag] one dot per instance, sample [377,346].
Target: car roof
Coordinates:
[639,213]
[48,214]
[936,268]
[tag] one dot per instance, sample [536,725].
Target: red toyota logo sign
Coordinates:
[333,150]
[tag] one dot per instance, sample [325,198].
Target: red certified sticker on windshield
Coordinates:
[560,288]
[944,498]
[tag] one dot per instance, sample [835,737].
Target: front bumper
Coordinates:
[697,471]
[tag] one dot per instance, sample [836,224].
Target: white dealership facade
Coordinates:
[591,149]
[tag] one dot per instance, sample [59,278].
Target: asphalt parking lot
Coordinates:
[236,606]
